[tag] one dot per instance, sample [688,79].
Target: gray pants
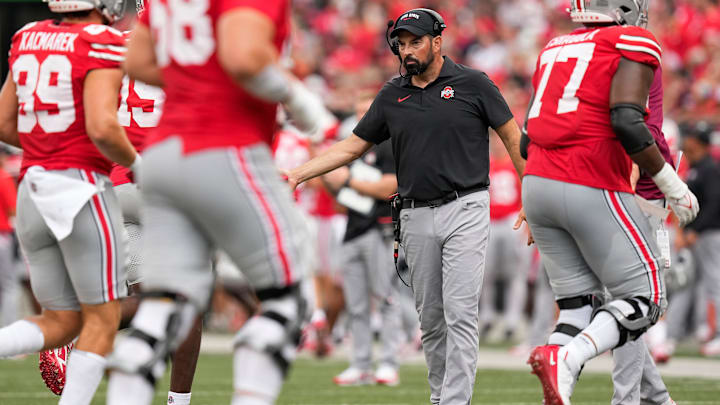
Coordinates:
[445,250]
[508,259]
[369,272]
[592,239]
[129,198]
[226,198]
[636,379]
[707,256]
[543,318]
[88,266]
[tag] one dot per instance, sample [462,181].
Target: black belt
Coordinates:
[452,196]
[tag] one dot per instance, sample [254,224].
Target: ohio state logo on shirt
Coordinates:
[447,93]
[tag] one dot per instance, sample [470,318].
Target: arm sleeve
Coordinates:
[494,107]
[638,45]
[275,10]
[373,126]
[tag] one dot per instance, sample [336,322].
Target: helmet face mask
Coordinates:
[113,10]
[622,12]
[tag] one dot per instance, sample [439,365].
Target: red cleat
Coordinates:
[53,364]
[544,362]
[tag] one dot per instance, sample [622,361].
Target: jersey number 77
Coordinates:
[583,52]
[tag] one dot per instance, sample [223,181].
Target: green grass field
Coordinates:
[310,383]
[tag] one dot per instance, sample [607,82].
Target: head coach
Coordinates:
[437,117]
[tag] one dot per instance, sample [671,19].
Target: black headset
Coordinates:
[438,27]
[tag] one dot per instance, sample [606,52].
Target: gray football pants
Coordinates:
[445,250]
[636,379]
[508,259]
[368,272]
[590,239]
[227,198]
[88,266]
[707,256]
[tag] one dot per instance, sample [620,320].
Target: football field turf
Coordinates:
[310,383]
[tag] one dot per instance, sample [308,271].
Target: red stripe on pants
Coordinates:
[108,241]
[269,214]
[639,241]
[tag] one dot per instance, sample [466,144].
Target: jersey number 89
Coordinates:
[44,92]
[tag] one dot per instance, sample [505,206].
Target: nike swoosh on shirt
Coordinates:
[401,99]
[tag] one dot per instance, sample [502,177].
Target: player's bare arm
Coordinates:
[510,134]
[628,95]
[335,156]
[8,112]
[101,104]
[140,61]
[244,59]
[379,190]
[246,52]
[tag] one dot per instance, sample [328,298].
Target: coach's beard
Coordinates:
[415,67]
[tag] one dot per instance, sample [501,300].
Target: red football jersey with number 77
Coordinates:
[203,105]
[49,61]
[572,139]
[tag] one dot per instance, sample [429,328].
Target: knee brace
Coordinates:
[277,329]
[633,315]
[565,304]
[161,342]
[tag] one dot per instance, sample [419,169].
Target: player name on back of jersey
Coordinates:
[48,41]
[571,39]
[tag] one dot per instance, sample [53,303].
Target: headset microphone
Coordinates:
[393,44]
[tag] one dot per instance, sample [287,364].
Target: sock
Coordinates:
[21,337]
[84,372]
[600,336]
[578,317]
[124,389]
[178,398]
[257,378]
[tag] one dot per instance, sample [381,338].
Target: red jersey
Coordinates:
[505,197]
[141,107]
[569,120]
[49,61]
[8,197]
[204,106]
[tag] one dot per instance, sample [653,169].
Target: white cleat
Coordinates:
[387,375]
[354,376]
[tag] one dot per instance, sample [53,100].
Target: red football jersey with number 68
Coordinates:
[204,106]
[49,61]
[569,119]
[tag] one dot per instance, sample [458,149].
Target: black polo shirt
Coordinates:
[380,157]
[439,133]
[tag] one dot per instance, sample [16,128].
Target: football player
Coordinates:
[59,103]
[209,182]
[585,127]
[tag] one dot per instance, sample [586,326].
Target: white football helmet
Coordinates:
[113,10]
[622,12]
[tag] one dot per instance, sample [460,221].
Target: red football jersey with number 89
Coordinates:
[49,62]
[204,106]
[569,119]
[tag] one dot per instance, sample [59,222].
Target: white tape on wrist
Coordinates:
[135,166]
[271,84]
[670,183]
